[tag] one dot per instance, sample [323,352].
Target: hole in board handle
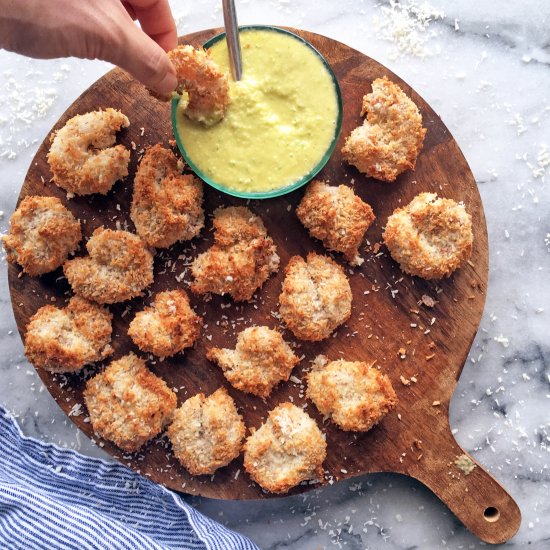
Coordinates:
[491,514]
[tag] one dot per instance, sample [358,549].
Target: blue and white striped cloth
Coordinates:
[53,498]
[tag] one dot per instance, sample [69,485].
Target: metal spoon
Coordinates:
[232,37]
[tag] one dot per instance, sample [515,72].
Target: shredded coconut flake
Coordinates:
[502,340]
[76,410]
[465,464]
[21,104]
[406,25]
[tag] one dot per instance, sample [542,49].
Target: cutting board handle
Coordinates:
[476,498]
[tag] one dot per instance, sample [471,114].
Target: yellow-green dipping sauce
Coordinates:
[280,123]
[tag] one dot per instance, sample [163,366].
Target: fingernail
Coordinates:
[168,84]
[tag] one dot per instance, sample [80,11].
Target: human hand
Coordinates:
[95,29]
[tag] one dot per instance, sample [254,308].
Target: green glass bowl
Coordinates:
[304,179]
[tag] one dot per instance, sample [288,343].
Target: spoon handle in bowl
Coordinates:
[232,37]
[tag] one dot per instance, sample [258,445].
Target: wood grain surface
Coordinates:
[387,315]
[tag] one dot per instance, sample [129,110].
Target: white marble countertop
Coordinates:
[485,68]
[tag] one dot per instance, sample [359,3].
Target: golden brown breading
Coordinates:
[42,235]
[206,85]
[82,157]
[168,326]
[316,297]
[241,259]
[391,136]
[207,432]
[128,404]
[430,237]
[166,205]
[260,361]
[119,267]
[336,216]
[67,339]
[353,394]
[287,449]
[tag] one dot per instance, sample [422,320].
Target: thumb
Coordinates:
[146,61]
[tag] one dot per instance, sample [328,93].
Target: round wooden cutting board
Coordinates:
[421,348]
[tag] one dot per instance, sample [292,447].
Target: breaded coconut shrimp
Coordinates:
[166,204]
[259,362]
[83,158]
[315,298]
[119,266]
[207,432]
[336,216]
[67,339]
[241,259]
[166,327]
[391,136]
[430,237]
[42,235]
[204,82]
[128,404]
[287,449]
[355,395]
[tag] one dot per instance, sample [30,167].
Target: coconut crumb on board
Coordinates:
[428,301]
[76,410]
[465,464]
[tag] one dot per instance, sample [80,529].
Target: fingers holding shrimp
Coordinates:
[205,83]
[145,58]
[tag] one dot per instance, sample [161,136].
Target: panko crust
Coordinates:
[166,327]
[166,205]
[391,136]
[353,394]
[287,449]
[206,85]
[42,235]
[119,267]
[316,297]
[67,339]
[430,237]
[207,432]
[259,362]
[241,259]
[128,404]
[83,158]
[337,217]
